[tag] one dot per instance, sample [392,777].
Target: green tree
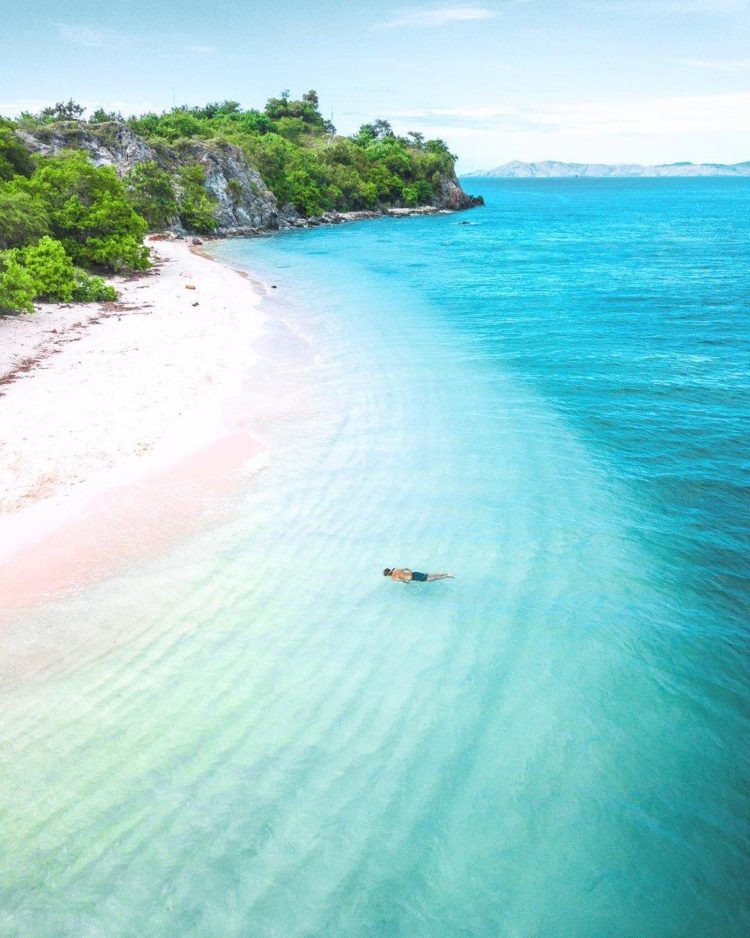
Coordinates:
[23,219]
[151,192]
[62,111]
[410,195]
[180,124]
[291,128]
[50,268]
[273,156]
[44,271]
[16,284]
[368,194]
[228,107]
[89,212]
[300,160]
[364,135]
[424,191]
[310,98]
[197,209]
[305,193]
[440,147]
[382,129]
[306,109]
[250,122]
[89,289]
[14,157]
[100,116]
[234,187]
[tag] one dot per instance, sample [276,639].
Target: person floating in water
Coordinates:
[411,576]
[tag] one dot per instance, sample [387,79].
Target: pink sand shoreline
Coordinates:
[153,480]
[123,524]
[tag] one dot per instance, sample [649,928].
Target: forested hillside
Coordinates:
[77,195]
[302,160]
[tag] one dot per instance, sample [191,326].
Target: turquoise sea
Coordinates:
[255,734]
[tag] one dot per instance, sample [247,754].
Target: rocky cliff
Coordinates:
[244,203]
[452,196]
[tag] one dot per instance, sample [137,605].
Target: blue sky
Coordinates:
[586,80]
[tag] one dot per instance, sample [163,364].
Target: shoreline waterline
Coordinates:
[194,452]
[545,401]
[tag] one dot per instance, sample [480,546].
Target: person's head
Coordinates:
[387,571]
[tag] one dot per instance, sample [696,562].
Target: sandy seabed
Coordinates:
[114,417]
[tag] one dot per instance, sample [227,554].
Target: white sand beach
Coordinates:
[95,400]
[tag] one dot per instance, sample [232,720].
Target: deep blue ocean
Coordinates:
[549,397]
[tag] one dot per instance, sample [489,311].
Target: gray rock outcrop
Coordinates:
[451,196]
[244,203]
[110,144]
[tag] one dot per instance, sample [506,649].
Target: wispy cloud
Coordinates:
[733,66]
[717,113]
[83,35]
[32,105]
[667,7]
[200,50]
[496,118]
[436,16]
[92,37]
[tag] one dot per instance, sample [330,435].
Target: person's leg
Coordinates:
[439,576]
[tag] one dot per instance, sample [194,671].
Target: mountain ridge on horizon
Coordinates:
[558,169]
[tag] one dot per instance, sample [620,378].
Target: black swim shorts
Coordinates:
[418,577]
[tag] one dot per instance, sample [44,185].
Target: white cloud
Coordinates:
[438,16]
[656,116]
[667,7]
[32,105]
[200,50]
[733,66]
[82,35]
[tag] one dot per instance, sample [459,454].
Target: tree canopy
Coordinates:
[302,160]
[60,214]
[57,213]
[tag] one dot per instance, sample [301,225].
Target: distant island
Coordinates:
[553,169]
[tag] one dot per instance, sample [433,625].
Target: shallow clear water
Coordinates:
[256,734]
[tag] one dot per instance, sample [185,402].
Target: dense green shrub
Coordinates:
[68,110]
[100,116]
[59,212]
[14,157]
[44,271]
[409,195]
[151,192]
[16,283]
[64,209]
[296,151]
[50,268]
[89,212]
[197,209]
[23,219]
[235,190]
[303,162]
[88,289]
